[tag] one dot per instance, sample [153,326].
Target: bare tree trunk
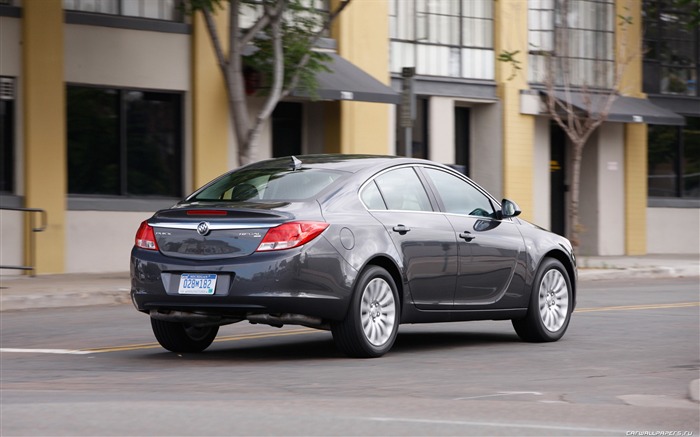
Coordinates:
[575,194]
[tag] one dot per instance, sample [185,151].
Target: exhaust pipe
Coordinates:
[279,320]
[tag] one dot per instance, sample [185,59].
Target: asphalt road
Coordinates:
[623,367]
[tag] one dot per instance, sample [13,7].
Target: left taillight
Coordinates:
[145,238]
[289,235]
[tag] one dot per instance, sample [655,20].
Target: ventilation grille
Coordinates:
[7,88]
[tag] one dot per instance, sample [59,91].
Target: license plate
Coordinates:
[197,283]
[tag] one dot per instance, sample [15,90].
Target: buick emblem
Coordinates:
[203,228]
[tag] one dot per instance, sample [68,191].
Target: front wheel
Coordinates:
[551,303]
[181,337]
[370,327]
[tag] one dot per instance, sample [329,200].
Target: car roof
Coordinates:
[339,162]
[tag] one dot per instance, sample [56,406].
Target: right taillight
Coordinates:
[145,238]
[289,235]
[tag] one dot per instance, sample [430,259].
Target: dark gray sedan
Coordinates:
[354,244]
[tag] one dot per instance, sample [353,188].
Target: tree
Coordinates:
[277,47]
[595,92]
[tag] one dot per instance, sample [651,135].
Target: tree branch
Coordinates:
[294,81]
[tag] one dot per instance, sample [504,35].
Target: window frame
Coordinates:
[653,62]
[603,65]
[404,27]
[433,196]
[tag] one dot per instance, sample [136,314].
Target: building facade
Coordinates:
[112,109]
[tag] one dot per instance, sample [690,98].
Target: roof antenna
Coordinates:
[296,163]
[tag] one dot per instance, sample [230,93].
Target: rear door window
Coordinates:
[403,191]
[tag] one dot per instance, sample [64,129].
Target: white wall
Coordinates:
[128,58]
[100,241]
[602,196]
[441,129]
[486,147]
[673,230]
[12,247]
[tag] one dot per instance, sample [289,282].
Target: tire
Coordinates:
[551,303]
[180,337]
[372,322]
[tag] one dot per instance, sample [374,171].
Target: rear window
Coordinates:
[274,184]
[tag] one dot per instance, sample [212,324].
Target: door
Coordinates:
[286,129]
[557,174]
[462,139]
[488,248]
[424,238]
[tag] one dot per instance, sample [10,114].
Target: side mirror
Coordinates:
[509,209]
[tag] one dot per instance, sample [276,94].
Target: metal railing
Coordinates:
[33,212]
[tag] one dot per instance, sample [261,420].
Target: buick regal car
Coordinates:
[354,244]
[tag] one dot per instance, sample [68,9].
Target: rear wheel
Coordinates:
[180,337]
[550,305]
[370,327]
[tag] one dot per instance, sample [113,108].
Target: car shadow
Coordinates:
[320,346]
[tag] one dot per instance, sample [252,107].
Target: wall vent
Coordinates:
[7,88]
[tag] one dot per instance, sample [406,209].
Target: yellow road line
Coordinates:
[639,307]
[259,335]
[132,347]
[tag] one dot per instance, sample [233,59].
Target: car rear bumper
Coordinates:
[312,280]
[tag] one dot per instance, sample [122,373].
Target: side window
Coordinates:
[458,196]
[371,197]
[402,190]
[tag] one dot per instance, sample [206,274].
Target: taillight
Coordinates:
[145,238]
[289,235]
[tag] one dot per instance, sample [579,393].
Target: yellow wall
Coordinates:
[518,129]
[210,111]
[635,189]
[628,51]
[45,126]
[628,43]
[362,34]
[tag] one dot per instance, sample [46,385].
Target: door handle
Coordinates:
[401,229]
[467,236]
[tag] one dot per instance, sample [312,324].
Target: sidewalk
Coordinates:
[75,290]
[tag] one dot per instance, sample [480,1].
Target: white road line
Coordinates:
[45,351]
[497,425]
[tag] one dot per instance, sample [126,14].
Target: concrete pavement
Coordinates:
[73,290]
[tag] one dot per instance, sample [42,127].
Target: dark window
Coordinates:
[124,142]
[671,48]
[458,196]
[674,160]
[403,191]
[7,134]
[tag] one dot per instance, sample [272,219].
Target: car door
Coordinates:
[424,238]
[489,249]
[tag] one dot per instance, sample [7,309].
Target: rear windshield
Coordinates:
[268,184]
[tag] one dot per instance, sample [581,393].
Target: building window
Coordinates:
[124,142]
[170,10]
[7,134]
[452,38]
[674,160]
[578,36]
[671,49]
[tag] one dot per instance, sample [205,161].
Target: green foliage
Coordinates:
[300,24]
[509,58]
[693,8]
